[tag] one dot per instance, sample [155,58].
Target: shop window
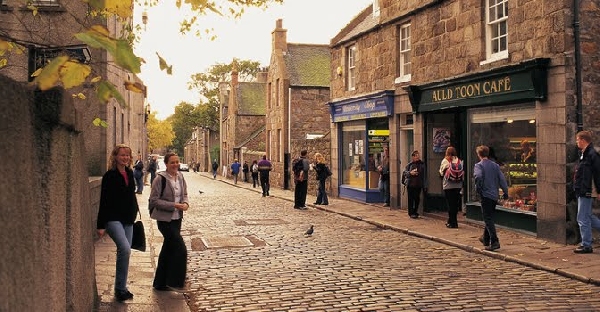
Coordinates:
[510,132]
[353,153]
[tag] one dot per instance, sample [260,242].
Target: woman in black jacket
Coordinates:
[117,212]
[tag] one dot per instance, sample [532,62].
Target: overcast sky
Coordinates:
[306,21]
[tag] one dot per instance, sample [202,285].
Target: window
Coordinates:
[496,30]
[404,64]
[510,133]
[351,62]
[45,2]
[376,11]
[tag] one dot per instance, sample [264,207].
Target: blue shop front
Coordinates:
[362,125]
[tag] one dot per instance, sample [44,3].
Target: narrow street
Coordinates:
[249,253]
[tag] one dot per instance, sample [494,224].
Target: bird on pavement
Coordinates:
[310,231]
[200,192]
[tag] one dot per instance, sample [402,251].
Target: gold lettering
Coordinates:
[486,88]
[507,83]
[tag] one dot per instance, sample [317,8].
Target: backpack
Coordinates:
[255,168]
[298,169]
[163,183]
[455,172]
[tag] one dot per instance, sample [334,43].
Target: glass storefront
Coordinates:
[362,150]
[510,132]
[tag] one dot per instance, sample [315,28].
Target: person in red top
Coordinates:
[117,213]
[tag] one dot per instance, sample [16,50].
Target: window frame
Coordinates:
[496,30]
[351,53]
[404,38]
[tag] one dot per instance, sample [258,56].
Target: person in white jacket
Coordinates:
[452,184]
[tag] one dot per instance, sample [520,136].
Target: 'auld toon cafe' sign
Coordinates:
[517,83]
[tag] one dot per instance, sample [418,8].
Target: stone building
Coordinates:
[297,116]
[202,148]
[242,116]
[517,76]
[50,33]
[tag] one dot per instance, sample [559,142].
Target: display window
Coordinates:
[362,151]
[510,133]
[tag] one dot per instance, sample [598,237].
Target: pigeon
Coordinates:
[200,192]
[310,231]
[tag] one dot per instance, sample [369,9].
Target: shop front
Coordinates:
[497,108]
[362,126]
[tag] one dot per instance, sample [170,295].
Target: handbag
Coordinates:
[138,241]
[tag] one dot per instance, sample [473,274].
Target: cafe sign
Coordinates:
[512,84]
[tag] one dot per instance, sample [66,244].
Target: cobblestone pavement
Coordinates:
[249,253]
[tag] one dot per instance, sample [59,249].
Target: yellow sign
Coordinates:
[379,132]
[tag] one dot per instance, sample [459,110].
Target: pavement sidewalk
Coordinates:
[515,247]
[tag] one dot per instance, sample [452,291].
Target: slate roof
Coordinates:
[308,65]
[251,98]
[365,25]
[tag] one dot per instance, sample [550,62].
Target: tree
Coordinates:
[207,84]
[183,121]
[68,71]
[160,133]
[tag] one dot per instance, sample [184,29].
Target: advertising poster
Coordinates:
[441,139]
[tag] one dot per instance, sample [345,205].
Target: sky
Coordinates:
[248,38]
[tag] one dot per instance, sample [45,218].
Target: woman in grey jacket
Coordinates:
[168,201]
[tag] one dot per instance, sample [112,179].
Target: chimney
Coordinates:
[262,77]
[279,37]
[234,74]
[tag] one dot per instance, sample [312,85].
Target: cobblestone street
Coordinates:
[249,253]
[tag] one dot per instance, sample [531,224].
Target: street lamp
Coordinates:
[145,18]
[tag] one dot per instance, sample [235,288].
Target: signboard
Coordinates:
[373,106]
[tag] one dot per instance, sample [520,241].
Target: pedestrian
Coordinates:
[152,166]
[585,181]
[323,172]
[117,213]
[246,170]
[235,170]
[168,201]
[416,174]
[451,185]
[488,179]
[254,173]
[300,168]
[264,167]
[215,166]
[384,177]
[138,174]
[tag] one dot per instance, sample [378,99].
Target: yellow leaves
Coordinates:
[79,95]
[100,123]
[122,8]
[163,64]
[98,37]
[61,69]
[106,91]
[134,86]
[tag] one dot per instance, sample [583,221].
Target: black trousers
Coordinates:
[172,260]
[300,193]
[322,194]
[414,198]
[264,184]
[454,202]
[254,179]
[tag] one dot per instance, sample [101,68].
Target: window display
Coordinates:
[510,133]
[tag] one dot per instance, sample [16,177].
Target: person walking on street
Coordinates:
[451,171]
[488,179]
[117,212]
[323,172]
[152,166]
[215,166]
[416,174]
[264,167]
[245,170]
[168,200]
[301,167]
[585,184]
[254,173]
[235,170]
[138,174]
[384,177]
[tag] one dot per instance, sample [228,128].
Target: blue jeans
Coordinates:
[322,194]
[138,175]
[122,235]
[385,191]
[586,220]
[488,209]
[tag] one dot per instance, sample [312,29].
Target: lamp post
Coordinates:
[145,18]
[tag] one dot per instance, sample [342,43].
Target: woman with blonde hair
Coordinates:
[323,173]
[117,213]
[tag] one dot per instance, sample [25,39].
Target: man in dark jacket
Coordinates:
[264,167]
[585,182]
[301,182]
[417,182]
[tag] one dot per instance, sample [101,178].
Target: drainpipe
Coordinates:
[577,65]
